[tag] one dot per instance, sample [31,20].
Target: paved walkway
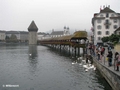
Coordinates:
[105,62]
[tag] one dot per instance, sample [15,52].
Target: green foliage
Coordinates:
[113,39]
[105,39]
[12,39]
[7,37]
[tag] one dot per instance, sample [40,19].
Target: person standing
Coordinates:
[110,54]
[117,60]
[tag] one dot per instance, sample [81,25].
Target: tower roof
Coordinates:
[107,10]
[32,27]
[64,27]
[68,28]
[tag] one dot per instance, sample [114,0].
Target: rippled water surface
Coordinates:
[41,68]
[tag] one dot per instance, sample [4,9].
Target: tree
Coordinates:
[105,39]
[7,38]
[12,38]
[114,39]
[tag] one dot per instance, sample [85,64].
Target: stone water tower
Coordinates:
[32,33]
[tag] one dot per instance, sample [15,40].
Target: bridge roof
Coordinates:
[79,35]
[76,35]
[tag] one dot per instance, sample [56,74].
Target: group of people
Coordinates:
[99,52]
[116,59]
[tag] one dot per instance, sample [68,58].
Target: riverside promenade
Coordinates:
[109,73]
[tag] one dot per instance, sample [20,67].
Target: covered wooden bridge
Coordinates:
[75,41]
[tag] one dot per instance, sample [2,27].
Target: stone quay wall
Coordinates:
[111,77]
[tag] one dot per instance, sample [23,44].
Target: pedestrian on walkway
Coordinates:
[90,48]
[102,52]
[110,54]
[98,55]
[117,60]
[109,48]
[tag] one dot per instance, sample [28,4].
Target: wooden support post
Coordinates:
[72,50]
[69,49]
[60,47]
[75,50]
[84,53]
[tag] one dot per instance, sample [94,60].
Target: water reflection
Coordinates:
[33,58]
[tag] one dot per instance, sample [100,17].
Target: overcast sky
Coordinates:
[51,14]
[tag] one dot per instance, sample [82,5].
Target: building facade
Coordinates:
[117,31]
[65,32]
[23,36]
[42,36]
[2,35]
[104,23]
[16,33]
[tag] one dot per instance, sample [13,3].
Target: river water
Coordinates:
[41,68]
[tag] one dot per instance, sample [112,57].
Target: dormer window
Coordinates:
[107,14]
[112,15]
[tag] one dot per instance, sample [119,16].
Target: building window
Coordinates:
[107,21]
[98,27]
[99,33]
[115,26]
[101,15]
[98,21]
[115,20]
[107,14]
[107,32]
[99,38]
[107,26]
